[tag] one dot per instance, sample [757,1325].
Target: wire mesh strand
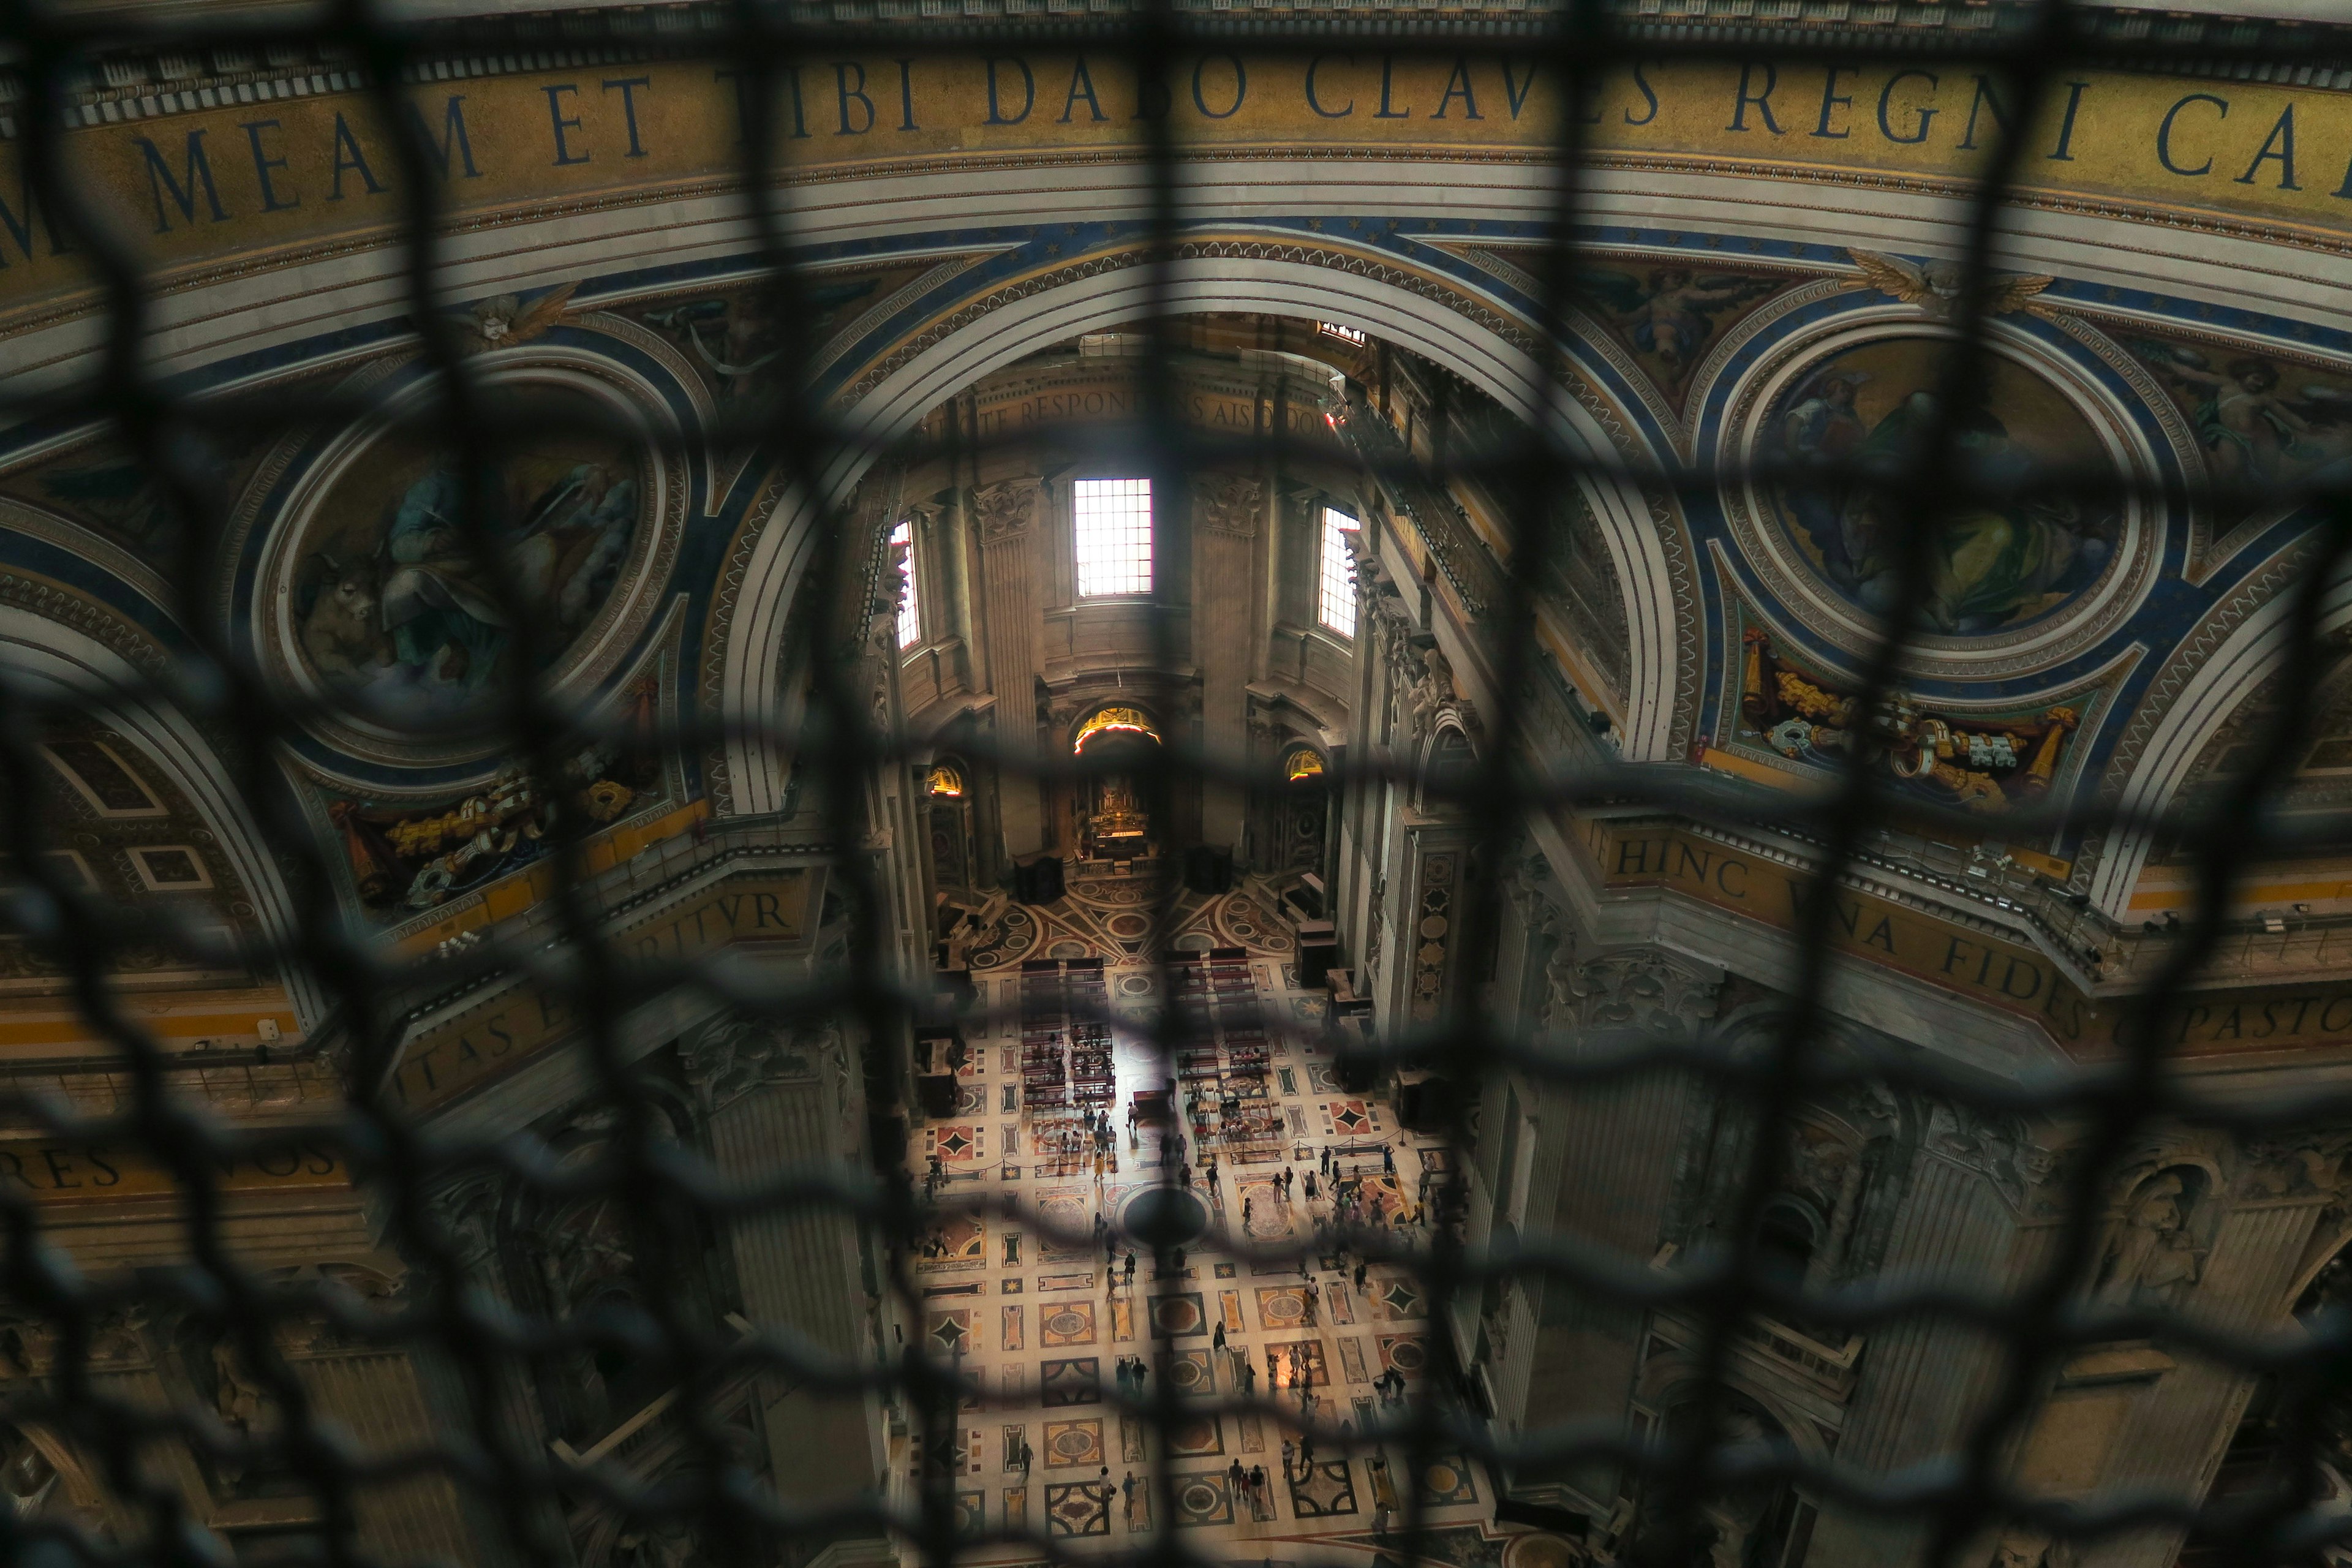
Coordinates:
[430,1184]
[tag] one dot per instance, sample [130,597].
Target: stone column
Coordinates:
[374,1394]
[1604,1168]
[1007,517]
[779,1097]
[1923,1379]
[1225,510]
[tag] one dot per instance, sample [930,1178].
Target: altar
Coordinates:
[1118,828]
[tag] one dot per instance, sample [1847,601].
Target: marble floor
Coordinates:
[1039,1325]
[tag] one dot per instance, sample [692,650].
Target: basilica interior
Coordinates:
[980,866]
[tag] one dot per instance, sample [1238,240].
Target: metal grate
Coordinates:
[669,1197]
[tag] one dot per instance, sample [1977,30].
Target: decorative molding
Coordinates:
[50,601]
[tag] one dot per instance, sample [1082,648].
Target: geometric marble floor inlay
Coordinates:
[1068,1361]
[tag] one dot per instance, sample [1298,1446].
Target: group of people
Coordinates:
[1249,1483]
[1134,1373]
[1290,1365]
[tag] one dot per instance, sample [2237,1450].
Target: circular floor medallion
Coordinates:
[1066,1323]
[1164,1218]
[1129,925]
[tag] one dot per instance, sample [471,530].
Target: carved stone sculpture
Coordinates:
[2151,1259]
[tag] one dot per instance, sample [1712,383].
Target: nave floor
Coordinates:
[1044,1329]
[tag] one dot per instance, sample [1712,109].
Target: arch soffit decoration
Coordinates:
[978,338]
[65,661]
[2211,675]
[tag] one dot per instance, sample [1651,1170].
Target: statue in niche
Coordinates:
[25,1474]
[242,1406]
[587,1267]
[2025,1547]
[235,1397]
[2152,1260]
[668,1543]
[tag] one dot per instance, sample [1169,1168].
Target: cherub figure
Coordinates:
[1672,313]
[2251,431]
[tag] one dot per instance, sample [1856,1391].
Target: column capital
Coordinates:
[1005,509]
[1228,504]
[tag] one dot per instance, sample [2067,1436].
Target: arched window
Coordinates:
[1303,766]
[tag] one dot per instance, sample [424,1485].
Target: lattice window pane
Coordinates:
[1336,589]
[911,615]
[1112,521]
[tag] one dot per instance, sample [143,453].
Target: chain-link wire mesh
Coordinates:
[671,1197]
